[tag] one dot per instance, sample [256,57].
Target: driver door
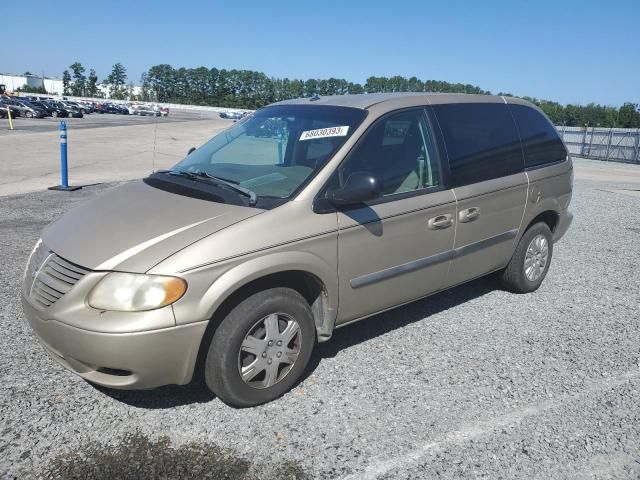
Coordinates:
[397,248]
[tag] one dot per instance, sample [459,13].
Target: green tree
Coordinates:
[628,116]
[252,89]
[29,89]
[92,83]
[117,81]
[161,80]
[66,82]
[78,86]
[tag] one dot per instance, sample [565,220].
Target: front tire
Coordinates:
[530,262]
[261,348]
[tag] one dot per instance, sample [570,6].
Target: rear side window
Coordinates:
[482,141]
[540,140]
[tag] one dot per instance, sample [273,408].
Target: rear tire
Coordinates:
[530,261]
[262,323]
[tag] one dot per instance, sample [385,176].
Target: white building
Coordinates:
[12,82]
[105,89]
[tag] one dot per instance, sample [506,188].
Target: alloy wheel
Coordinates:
[535,260]
[269,350]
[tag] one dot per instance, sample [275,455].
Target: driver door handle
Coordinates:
[440,222]
[469,214]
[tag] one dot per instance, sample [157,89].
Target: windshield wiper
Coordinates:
[201,175]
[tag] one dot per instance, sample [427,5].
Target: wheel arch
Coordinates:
[302,273]
[550,217]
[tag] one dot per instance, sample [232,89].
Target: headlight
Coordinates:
[131,292]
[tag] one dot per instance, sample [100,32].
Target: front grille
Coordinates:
[51,276]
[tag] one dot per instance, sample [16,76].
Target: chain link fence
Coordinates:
[610,144]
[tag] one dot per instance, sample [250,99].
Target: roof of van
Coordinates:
[367,100]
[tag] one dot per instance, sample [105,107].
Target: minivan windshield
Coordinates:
[272,152]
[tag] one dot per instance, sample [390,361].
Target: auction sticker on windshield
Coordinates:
[324,132]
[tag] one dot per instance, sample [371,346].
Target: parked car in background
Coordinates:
[231,115]
[55,109]
[32,110]
[144,110]
[24,108]
[8,106]
[41,105]
[108,108]
[85,109]
[67,110]
[4,111]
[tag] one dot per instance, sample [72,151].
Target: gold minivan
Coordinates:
[303,217]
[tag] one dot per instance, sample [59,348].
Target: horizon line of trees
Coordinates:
[78,84]
[252,89]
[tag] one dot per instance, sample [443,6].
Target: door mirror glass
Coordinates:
[359,187]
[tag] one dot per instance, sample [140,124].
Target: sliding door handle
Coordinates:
[440,222]
[469,215]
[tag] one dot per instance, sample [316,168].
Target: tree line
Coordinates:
[78,84]
[251,89]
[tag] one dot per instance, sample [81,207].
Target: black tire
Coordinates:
[513,277]
[221,368]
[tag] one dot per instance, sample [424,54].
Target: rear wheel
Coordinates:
[261,348]
[28,115]
[530,262]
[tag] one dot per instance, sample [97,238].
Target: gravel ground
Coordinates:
[474,382]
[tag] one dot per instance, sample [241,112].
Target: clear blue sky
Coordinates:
[568,51]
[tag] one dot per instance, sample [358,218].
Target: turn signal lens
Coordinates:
[132,292]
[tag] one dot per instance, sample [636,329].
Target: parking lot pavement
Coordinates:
[30,160]
[473,382]
[96,120]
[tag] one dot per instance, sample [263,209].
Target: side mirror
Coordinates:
[360,187]
[192,149]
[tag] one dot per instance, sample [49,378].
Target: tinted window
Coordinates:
[398,150]
[540,139]
[481,139]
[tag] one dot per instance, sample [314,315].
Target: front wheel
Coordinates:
[530,262]
[261,348]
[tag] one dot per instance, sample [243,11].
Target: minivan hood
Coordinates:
[135,226]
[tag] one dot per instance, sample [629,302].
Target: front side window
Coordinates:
[398,150]
[481,139]
[272,152]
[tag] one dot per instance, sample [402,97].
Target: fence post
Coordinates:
[606,157]
[584,140]
[637,148]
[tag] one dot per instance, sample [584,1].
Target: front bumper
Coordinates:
[564,221]
[137,360]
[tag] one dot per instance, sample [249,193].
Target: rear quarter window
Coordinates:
[481,139]
[540,140]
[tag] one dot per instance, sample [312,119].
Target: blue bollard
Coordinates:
[64,173]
